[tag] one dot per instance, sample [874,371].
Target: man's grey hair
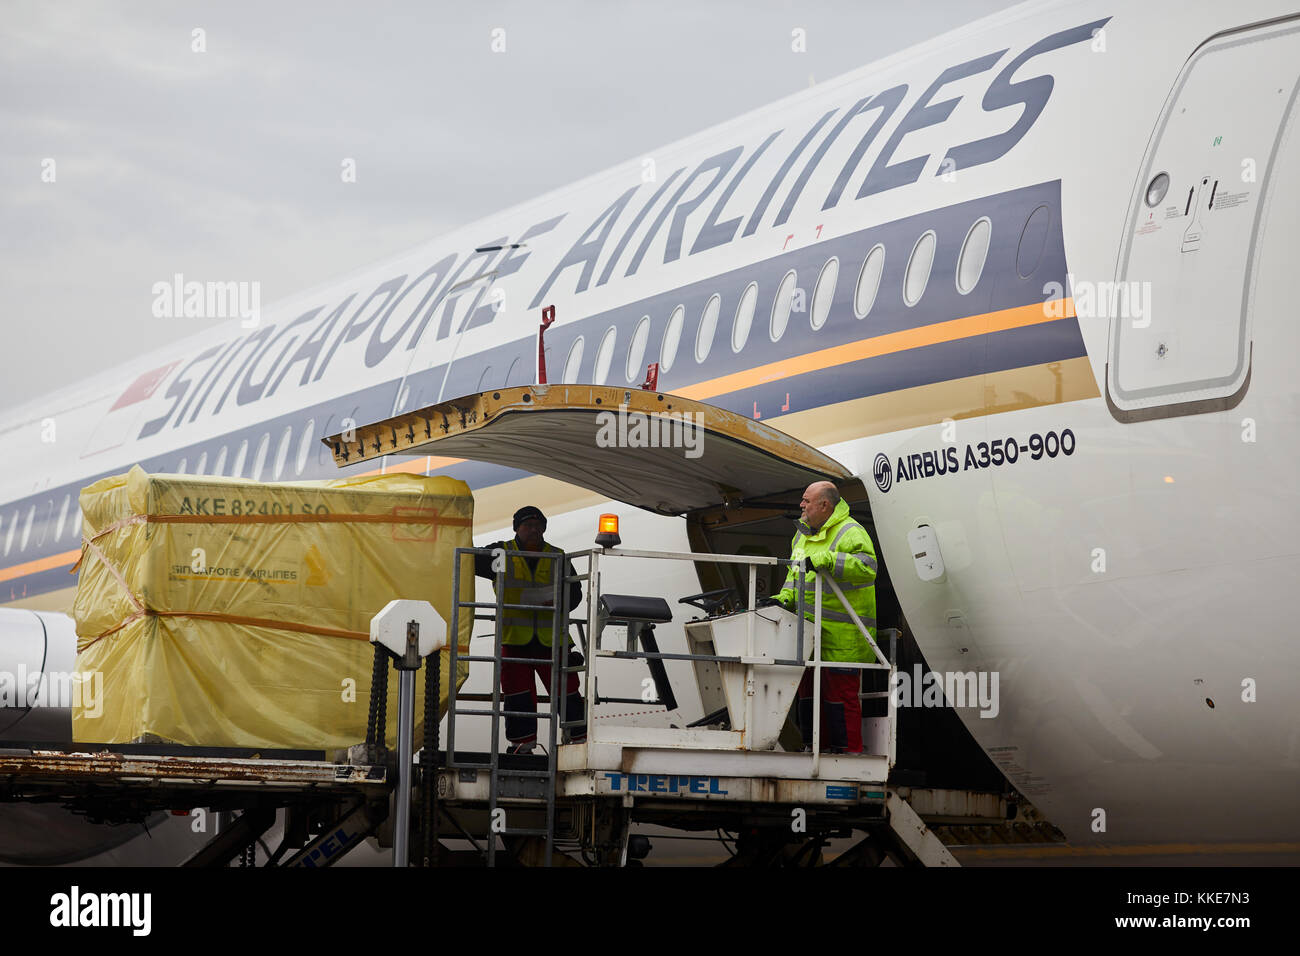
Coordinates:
[828,492]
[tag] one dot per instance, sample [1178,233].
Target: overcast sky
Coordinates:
[225,164]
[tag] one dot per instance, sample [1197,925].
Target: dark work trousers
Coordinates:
[841,710]
[521,664]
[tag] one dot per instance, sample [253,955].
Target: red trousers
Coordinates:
[841,716]
[521,665]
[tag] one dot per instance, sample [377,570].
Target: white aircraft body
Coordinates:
[1027,281]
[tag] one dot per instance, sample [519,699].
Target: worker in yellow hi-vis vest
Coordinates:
[832,542]
[526,636]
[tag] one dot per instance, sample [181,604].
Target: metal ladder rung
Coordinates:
[478,712]
[522,831]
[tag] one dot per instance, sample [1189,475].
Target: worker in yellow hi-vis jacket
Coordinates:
[526,636]
[831,541]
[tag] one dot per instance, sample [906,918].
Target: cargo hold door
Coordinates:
[664,453]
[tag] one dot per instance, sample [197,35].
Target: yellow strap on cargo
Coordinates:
[237,619]
[414,518]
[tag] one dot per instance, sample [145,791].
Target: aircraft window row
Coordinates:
[44,530]
[27,527]
[974,253]
[782,304]
[322,450]
[824,293]
[873,267]
[917,275]
[605,355]
[259,459]
[708,326]
[636,349]
[744,318]
[573,362]
[63,517]
[304,447]
[282,453]
[916,278]
[672,338]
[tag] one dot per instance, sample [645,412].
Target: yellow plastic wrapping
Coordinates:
[227,613]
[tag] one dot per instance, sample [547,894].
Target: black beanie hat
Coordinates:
[526,512]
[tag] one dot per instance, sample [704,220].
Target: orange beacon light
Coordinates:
[607,532]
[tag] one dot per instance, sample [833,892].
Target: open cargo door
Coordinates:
[661,452]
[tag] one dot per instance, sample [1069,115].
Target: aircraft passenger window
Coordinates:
[180,466]
[304,446]
[708,326]
[672,336]
[636,349]
[917,275]
[282,453]
[824,293]
[202,467]
[1033,237]
[219,468]
[237,469]
[974,252]
[573,364]
[13,526]
[27,527]
[63,517]
[781,305]
[259,460]
[48,520]
[740,326]
[873,266]
[605,355]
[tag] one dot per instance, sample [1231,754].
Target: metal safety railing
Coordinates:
[598,555]
[558,728]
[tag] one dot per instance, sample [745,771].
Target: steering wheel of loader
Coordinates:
[710,602]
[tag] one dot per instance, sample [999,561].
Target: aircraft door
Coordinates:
[1183,304]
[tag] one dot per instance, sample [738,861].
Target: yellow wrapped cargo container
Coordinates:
[227,613]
